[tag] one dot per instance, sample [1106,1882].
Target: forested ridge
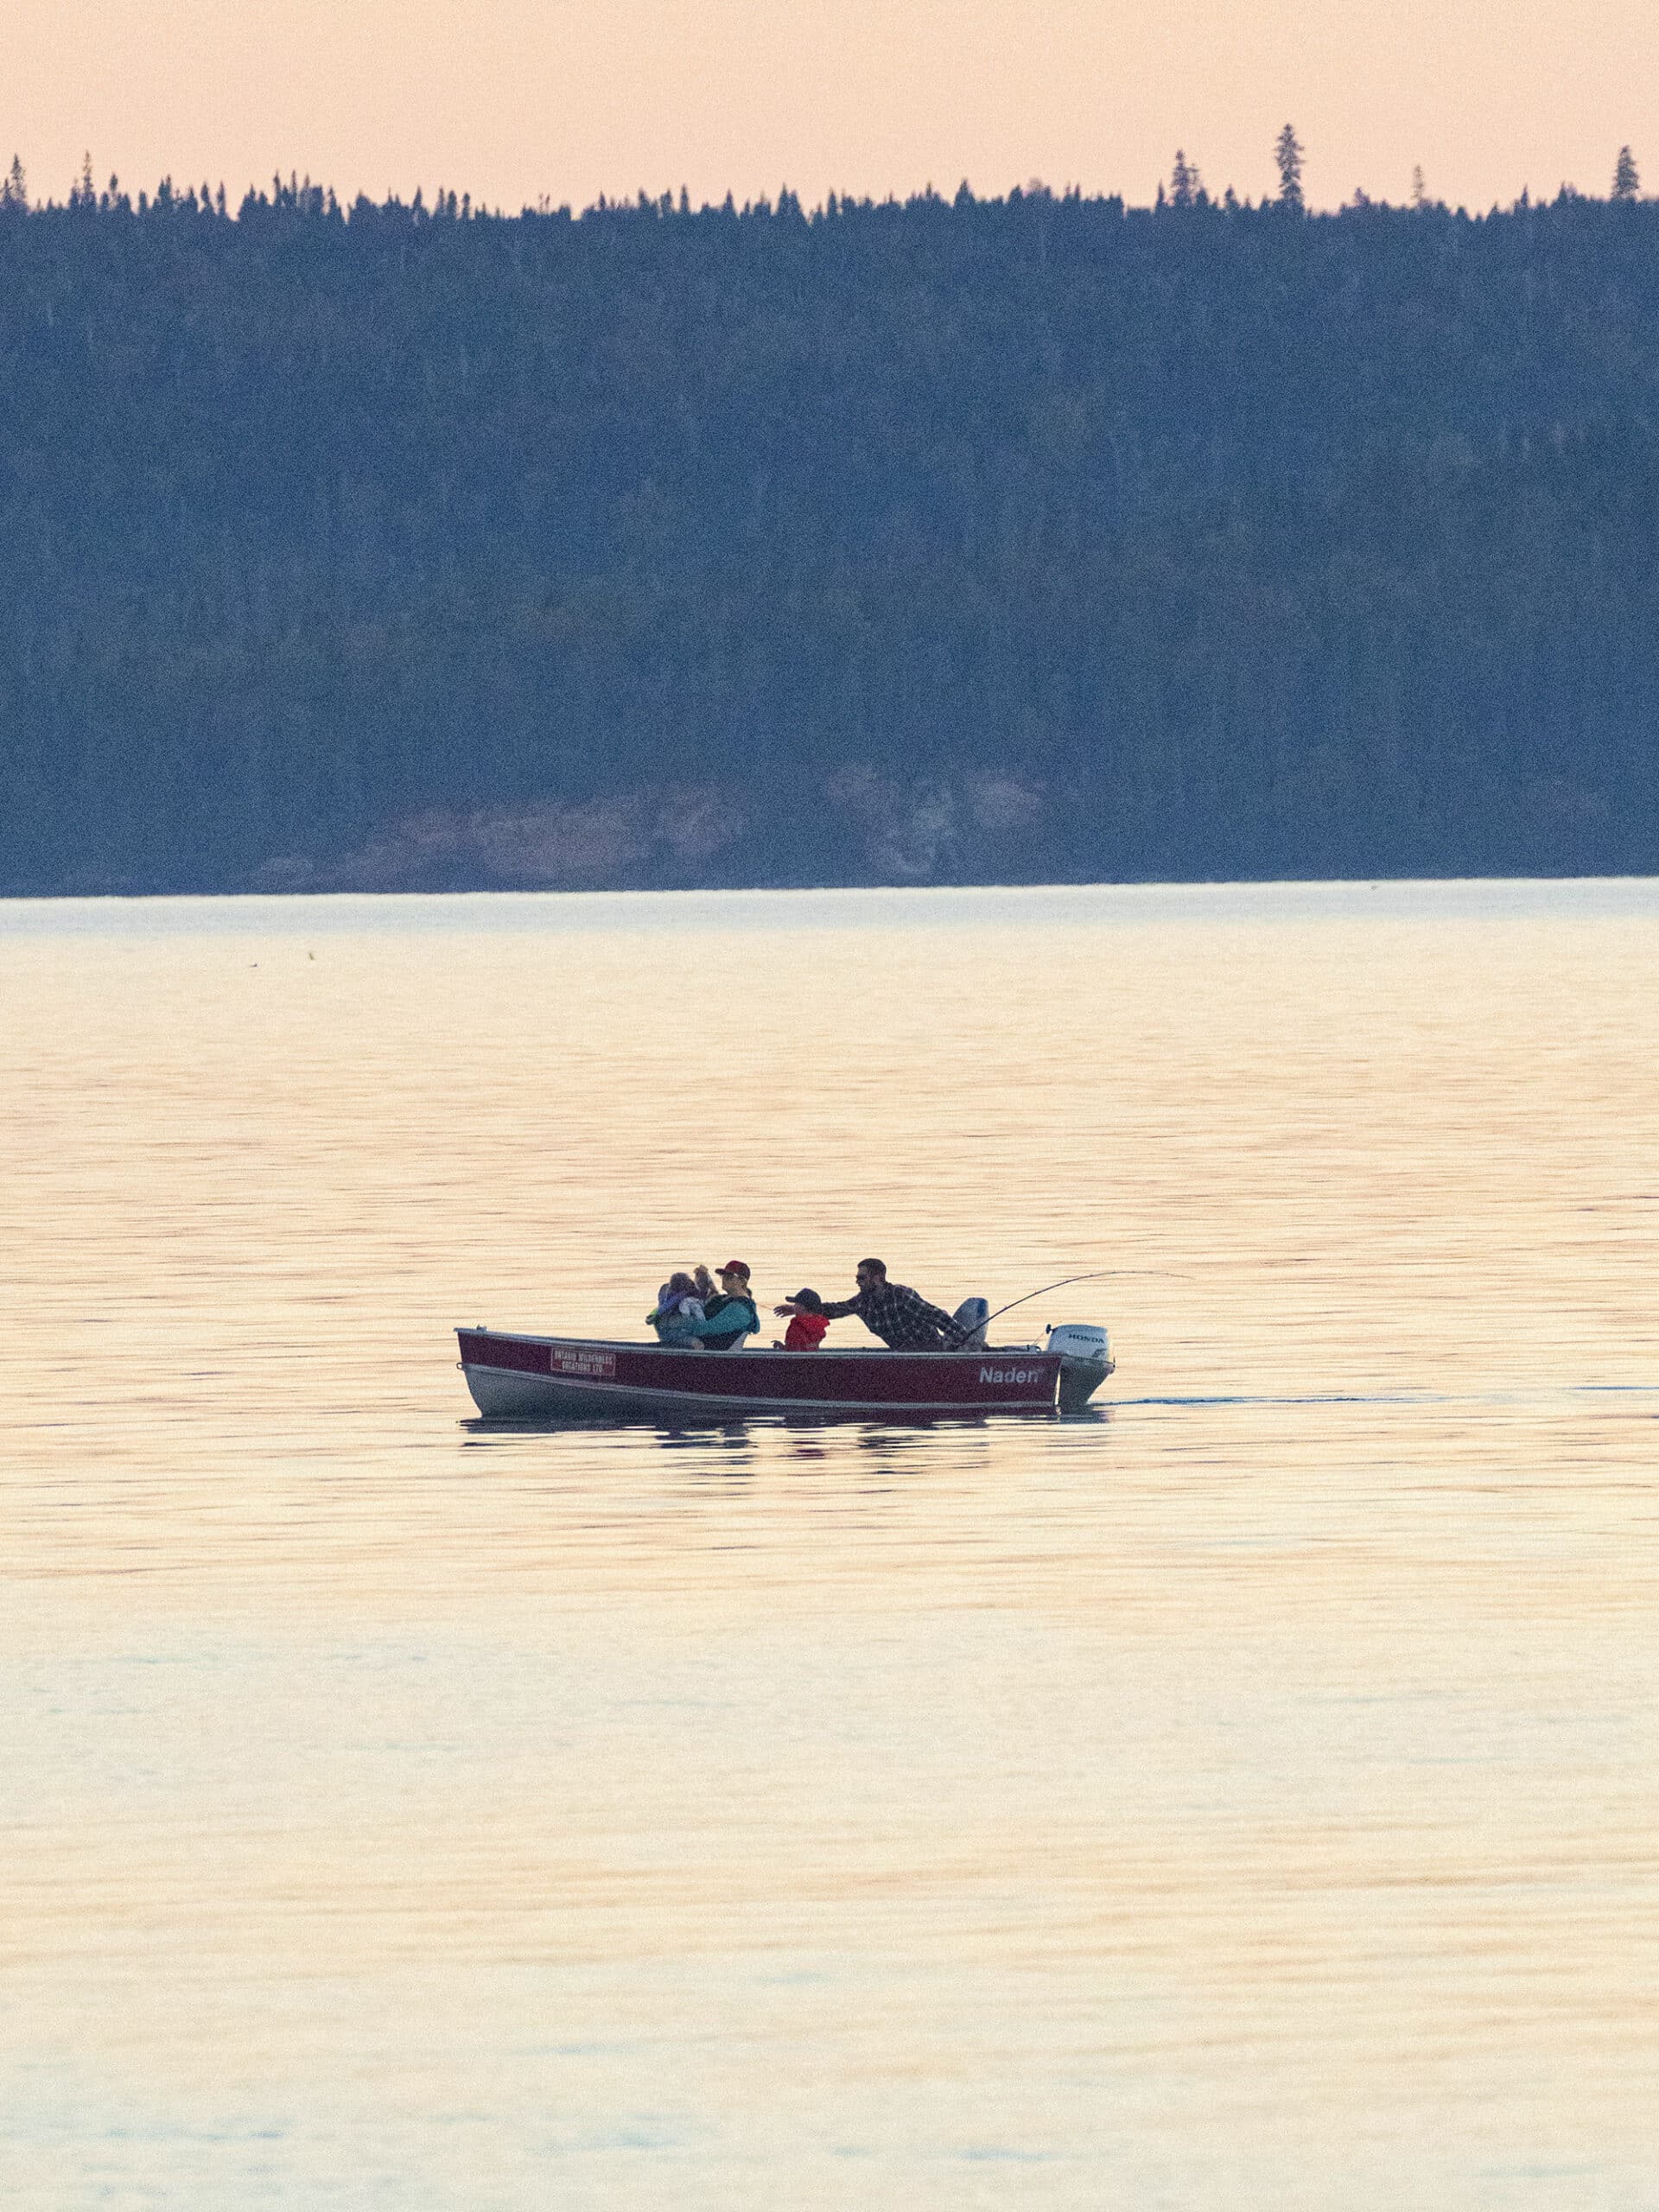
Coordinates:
[1035,538]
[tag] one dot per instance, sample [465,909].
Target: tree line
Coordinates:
[1031,538]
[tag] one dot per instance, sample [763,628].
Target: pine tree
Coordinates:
[1184,182]
[1627,184]
[13,186]
[1287,152]
[1418,189]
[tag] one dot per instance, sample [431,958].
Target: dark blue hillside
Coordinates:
[1027,539]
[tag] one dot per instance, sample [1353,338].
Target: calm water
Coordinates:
[1244,1799]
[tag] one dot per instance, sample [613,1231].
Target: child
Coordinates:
[677,1302]
[808,1327]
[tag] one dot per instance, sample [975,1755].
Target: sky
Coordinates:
[515,100]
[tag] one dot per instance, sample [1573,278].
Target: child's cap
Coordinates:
[809,1298]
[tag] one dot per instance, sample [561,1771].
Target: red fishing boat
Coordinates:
[581,1379]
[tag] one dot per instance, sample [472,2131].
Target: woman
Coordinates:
[730,1315]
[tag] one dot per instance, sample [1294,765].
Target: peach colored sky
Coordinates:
[512,98]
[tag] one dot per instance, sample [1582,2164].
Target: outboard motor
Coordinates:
[972,1314]
[1086,1360]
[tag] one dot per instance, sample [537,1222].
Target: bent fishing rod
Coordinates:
[1094,1275]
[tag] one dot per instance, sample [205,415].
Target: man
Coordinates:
[730,1314]
[892,1311]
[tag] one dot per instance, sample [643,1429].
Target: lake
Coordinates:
[1243,1798]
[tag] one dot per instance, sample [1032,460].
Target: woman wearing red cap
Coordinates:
[730,1315]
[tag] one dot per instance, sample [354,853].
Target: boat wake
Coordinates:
[1396,1397]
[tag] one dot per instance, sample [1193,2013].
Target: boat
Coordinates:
[514,1377]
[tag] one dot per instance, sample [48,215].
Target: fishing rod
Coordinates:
[1095,1274]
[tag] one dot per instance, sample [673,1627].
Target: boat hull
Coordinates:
[552,1378]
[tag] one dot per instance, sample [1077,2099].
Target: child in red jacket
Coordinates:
[807,1327]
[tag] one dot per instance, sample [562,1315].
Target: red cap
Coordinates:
[735,1268]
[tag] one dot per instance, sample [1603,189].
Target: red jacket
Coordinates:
[805,1332]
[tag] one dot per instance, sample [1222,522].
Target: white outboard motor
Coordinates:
[972,1314]
[1086,1351]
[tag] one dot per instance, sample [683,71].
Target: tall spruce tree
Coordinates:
[1287,153]
[1627,183]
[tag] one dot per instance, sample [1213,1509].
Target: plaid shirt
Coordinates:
[904,1321]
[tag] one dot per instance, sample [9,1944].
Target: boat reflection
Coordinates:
[481,1429]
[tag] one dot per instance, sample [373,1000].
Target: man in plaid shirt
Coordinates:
[892,1311]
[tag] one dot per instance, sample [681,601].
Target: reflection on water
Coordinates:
[1240,1796]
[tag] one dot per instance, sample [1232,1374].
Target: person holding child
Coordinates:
[699,1314]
